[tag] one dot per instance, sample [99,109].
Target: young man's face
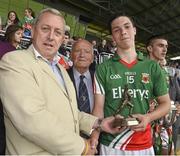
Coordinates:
[158,49]
[123,32]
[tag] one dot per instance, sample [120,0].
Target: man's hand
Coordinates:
[143,122]
[107,125]
[94,139]
[88,150]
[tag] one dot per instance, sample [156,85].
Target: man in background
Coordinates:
[82,56]
[157,49]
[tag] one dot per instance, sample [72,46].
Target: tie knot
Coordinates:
[82,77]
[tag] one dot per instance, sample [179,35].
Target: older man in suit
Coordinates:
[41,114]
[82,57]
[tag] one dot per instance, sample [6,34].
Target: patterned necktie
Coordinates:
[84,104]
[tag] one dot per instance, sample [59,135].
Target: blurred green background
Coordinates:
[77,29]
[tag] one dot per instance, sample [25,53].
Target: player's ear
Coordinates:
[149,48]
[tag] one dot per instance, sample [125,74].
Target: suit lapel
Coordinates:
[65,77]
[92,75]
[71,75]
[45,67]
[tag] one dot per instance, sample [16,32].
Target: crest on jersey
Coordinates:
[145,78]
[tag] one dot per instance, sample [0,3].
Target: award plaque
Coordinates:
[126,102]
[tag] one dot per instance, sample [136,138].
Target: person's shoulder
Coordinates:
[107,62]
[17,57]
[105,66]
[70,70]
[147,60]
[6,47]
[16,54]
[150,61]
[4,43]
[101,65]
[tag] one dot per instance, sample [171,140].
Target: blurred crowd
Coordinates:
[16,34]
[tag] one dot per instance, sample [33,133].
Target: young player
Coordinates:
[130,68]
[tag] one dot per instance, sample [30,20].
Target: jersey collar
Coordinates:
[140,56]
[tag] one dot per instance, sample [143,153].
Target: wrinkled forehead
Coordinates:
[83,44]
[45,19]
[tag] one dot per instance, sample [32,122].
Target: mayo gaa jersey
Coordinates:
[166,74]
[145,80]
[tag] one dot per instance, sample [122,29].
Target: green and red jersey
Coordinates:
[145,81]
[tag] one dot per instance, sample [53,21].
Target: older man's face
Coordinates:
[82,54]
[48,35]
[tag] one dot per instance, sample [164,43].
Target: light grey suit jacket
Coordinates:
[41,117]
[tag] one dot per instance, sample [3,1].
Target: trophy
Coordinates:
[170,118]
[126,102]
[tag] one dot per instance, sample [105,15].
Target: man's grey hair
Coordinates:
[50,10]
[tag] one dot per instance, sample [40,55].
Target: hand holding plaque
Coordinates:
[126,102]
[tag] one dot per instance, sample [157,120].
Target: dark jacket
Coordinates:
[71,75]
[2,131]
[5,47]
[174,89]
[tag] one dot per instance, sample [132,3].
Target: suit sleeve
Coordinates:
[86,121]
[26,107]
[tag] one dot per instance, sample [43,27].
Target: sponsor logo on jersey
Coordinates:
[115,76]
[130,73]
[142,93]
[145,77]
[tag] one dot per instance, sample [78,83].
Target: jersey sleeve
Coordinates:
[99,80]
[160,84]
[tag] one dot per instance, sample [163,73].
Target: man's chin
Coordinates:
[82,65]
[50,50]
